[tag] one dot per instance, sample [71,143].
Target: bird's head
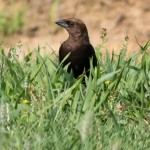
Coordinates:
[75,27]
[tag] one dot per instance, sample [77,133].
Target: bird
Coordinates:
[77,47]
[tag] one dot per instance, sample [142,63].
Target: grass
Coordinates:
[11,20]
[44,107]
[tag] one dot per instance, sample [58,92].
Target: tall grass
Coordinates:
[11,20]
[44,107]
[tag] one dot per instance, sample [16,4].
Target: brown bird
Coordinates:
[77,46]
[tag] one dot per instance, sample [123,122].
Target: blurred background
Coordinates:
[32,22]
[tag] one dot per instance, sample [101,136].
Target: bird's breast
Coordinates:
[75,54]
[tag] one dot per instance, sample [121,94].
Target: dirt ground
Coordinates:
[121,18]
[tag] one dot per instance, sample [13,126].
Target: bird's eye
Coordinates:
[71,23]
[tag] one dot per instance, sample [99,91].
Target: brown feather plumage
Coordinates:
[78,45]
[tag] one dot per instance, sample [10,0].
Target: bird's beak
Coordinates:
[62,23]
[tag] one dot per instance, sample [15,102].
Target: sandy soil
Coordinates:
[121,18]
